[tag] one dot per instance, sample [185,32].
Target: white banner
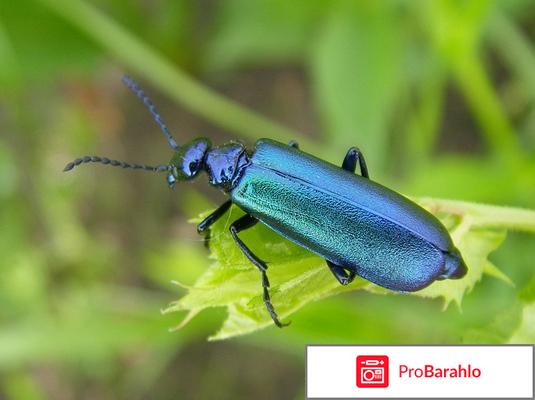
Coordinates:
[419,371]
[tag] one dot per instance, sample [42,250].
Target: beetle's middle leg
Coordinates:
[340,273]
[237,226]
[354,156]
[204,226]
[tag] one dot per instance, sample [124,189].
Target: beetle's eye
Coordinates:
[171,180]
[194,167]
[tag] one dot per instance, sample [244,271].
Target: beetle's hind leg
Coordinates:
[354,156]
[341,274]
[204,226]
[245,222]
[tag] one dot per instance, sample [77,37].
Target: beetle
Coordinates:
[357,225]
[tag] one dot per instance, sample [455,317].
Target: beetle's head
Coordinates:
[187,161]
[225,163]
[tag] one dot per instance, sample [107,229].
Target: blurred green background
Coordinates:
[439,95]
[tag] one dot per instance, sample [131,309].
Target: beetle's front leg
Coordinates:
[354,156]
[340,273]
[237,226]
[205,224]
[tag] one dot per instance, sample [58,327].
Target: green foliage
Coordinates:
[289,25]
[299,277]
[359,50]
[526,331]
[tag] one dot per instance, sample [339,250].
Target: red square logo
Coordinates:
[372,371]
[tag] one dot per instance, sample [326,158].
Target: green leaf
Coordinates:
[357,75]
[240,38]
[526,331]
[59,48]
[493,270]
[527,293]
[298,277]
[500,329]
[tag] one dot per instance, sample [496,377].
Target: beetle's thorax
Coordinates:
[225,165]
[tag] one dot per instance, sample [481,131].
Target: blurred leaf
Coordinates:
[173,30]
[475,179]
[8,172]
[44,50]
[22,386]
[86,326]
[166,25]
[422,118]
[527,293]
[356,71]
[262,31]
[9,66]
[168,263]
[298,277]
[455,30]
[520,8]
[492,270]
[526,331]
[499,330]
[515,48]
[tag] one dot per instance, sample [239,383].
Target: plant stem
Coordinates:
[139,57]
[484,215]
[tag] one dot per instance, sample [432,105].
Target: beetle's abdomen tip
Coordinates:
[454,267]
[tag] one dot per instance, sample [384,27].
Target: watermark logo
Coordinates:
[372,371]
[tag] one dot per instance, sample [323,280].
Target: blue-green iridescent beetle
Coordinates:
[358,226]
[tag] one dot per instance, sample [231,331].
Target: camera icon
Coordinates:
[372,371]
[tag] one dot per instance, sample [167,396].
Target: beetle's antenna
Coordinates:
[133,86]
[114,163]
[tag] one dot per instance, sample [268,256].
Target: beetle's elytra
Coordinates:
[358,226]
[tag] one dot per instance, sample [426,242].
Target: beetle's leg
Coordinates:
[293,143]
[341,274]
[237,226]
[205,224]
[354,156]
